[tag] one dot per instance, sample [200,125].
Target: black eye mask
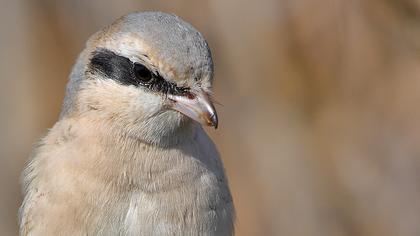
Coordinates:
[126,72]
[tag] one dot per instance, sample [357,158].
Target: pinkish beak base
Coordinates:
[198,107]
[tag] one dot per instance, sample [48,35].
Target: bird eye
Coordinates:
[142,73]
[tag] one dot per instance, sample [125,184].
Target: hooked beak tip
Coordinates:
[198,107]
[214,120]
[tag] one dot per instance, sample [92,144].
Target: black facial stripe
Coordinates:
[121,69]
[113,66]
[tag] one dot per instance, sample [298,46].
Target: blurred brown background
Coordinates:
[320,123]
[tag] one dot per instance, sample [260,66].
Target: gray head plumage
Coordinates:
[167,51]
[173,45]
[173,40]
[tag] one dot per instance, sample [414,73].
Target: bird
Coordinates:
[129,154]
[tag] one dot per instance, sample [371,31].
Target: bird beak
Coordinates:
[196,106]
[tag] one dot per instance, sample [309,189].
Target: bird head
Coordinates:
[148,73]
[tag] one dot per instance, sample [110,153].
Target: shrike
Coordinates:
[128,155]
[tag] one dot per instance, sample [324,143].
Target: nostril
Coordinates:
[190,96]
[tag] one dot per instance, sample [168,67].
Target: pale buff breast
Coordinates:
[178,191]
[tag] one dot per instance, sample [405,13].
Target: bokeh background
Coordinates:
[320,123]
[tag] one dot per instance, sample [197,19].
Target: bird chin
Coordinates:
[176,119]
[167,128]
